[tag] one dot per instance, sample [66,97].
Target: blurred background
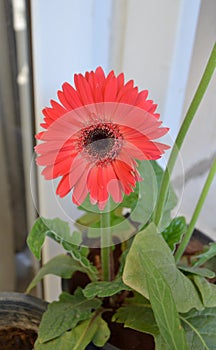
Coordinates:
[162,45]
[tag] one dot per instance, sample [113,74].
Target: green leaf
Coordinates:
[102,334]
[59,231]
[164,308]
[204,257]
[147,246]
[200,329]
[87,219]
[173,233]
[78,338]
[207,291]
[36,237]
[54,228]
[146,191]
[200,271]
[61,265]
[198,325]
[142,201]
[79,255]
[137,314]
[104,288]
[65,314]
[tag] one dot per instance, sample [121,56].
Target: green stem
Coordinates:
[105,246]
[182,133]
[196,213]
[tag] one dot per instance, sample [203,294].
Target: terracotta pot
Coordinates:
[20,317]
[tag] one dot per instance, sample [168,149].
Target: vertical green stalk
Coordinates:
[182,133]
[106,244]
[196,213]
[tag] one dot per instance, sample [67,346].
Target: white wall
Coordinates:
[199,149]
[68,36]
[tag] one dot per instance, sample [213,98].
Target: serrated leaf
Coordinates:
[36,237]
[207,291]
[61,265]
[56,229]
[79,255]
[65,314]
[60,231]
[200,329]
[204,257]
[174,232]
[104,288]
[137,314]
[200,271]
[76,339]
[148,245]
[164,308]
[102,333]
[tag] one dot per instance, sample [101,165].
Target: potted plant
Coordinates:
[100,139]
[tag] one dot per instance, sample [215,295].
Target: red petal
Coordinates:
[64,186]
[110,90]
[84,89]
[63,100]
[72,96]
[113,184]
[80,190]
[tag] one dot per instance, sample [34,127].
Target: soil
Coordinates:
[17,339]
[129,339]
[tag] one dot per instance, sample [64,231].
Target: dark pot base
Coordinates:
[20,317]
[16,338]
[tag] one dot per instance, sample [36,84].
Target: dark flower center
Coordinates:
[101,142]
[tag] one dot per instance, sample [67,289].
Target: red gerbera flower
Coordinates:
[94,136]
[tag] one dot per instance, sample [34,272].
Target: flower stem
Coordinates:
[196,213]
[182,133]
[105,246]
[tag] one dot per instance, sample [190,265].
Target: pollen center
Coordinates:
[101,142]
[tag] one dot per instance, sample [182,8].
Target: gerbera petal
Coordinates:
[64,100]
[78,167]
[113,184]
[92,183]
[110,90]
[120,80]
[72,96]
[80,190]
[55,105]
[125,174]
[99,75]
[124,89]
[102,185]
[84,89]
[64,186]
